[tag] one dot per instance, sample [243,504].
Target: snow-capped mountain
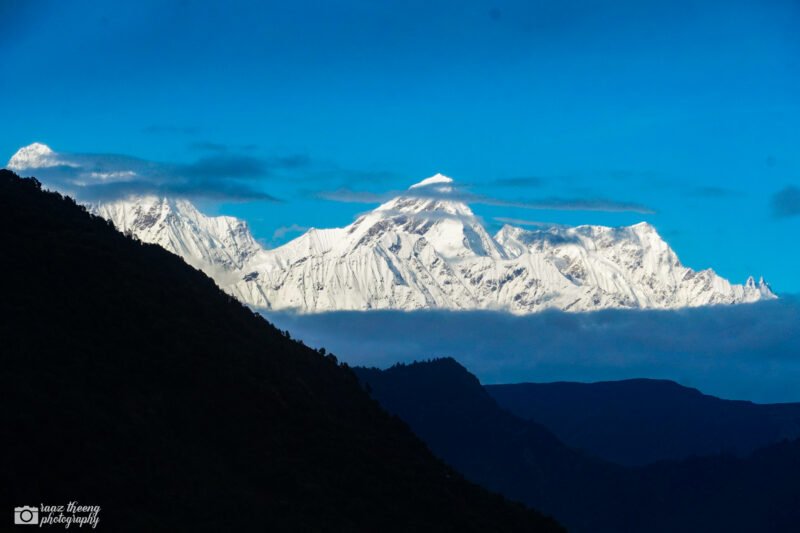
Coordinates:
[35,155]
[424,249]
[219,246]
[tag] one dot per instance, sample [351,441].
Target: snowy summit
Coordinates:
[36,155]
[437,179]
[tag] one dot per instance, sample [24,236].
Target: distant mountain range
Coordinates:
[424,249]
[640,421]
[520,458]
[131,382]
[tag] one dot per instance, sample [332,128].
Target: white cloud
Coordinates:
[104,176]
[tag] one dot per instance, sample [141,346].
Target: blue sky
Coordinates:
[690,109]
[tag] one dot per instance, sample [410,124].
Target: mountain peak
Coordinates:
[436,179]
[35,155]
[215,245]
[429,199]
[434,211]
[644,226]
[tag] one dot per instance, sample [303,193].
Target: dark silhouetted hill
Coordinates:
[461,423]
[130,381]
[640,421]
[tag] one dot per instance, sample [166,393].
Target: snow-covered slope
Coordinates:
[623,267]
[423,250]
[219,246]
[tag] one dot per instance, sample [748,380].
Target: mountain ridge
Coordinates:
[640,421]
[424,249]
[523,459]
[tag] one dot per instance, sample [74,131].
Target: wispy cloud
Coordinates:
[356,197]
[92,177]
[223,166]
[786,202]
[523,222]
[451,193]
[209,190]
[290,161]
[206,146]
[524,181]
[576,204]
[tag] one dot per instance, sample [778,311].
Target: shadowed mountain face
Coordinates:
[447,407]
[130,381]
[639,421]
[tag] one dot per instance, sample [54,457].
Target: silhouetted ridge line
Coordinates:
[447,407]
[640,421]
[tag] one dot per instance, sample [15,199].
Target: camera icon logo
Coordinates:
[26,515]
